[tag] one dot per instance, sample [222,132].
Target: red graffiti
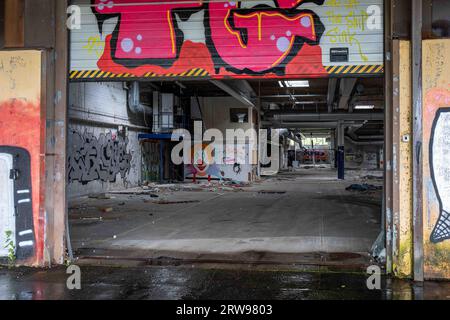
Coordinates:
[286,4]
[21,125]
[238,41]
[269,36]
[192,55]
[147,28]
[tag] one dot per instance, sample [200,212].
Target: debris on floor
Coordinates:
[106,209]
[101,196]
[363,187]
[271,192]
[176,202]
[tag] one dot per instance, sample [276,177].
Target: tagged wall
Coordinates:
[103,152]
[436,155]
[22,135]
[241,39]
[216,113]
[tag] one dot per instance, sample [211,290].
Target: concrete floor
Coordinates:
[300,212]
[172,283]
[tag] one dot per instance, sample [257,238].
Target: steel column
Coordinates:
[388,178]
[416,54]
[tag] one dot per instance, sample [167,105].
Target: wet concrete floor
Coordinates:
[170,283]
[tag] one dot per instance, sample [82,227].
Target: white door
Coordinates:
[7,218]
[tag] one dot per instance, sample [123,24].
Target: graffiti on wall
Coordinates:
[233,163]
[22,136]
[101,158]
[436,158]
[439,153]
[233,38]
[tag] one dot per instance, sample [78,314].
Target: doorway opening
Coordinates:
[322,204]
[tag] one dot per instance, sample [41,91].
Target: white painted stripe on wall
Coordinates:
[25,232]
[26,243]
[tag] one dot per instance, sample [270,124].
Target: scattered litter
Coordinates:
[176,202]
[271,192]
[99,196]
[114,237]
[363,187]
[107,209]
[92,219]
[372,177]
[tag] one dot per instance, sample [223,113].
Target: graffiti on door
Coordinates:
[439,153]
[231,38]
[91,158]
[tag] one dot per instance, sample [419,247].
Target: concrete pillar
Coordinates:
[332,149]
[340,151]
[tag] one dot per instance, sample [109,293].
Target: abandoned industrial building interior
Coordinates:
[219,133]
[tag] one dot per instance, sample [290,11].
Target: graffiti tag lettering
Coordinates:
[147,31]
[259,41]
[92,158]
[251,41]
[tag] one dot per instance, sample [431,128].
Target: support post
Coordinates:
[341,151]
[388,174]
[55,75]
[416,83]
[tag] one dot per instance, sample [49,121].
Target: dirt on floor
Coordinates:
[278,219]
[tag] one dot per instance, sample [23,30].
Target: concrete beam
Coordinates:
[332,84]
[345,91]
[234,93]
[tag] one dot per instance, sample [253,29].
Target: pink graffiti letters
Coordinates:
[259,40]
[241,40]
[146,32]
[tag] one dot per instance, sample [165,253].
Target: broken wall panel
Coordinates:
[436,170]
[217,39]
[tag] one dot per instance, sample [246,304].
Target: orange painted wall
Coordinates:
[22,124]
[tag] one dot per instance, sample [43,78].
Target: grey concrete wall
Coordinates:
[103,148]
[362,157]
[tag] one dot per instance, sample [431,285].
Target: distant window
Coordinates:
[441,18]
[239,115]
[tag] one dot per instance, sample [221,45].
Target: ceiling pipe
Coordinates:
[364,143]
[293,95]
[301,125]
[134,100]
[289,116]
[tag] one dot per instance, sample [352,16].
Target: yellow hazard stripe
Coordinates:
[355,69]
[199,72]
[99,74]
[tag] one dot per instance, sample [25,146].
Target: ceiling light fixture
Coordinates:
[297,84]
[364,107]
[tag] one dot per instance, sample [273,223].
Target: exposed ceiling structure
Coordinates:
[312,104]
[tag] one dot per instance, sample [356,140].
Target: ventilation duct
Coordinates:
[134,100]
